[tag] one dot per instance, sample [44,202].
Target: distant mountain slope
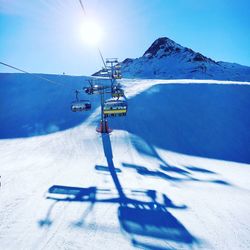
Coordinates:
[202,119]
[148,185]
[167,59]
[30,106]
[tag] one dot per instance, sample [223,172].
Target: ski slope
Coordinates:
[174,174]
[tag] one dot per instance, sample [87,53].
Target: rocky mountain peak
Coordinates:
[168,59]
[163,44]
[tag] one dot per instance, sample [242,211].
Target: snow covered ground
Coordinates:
[167,59]
[174,174]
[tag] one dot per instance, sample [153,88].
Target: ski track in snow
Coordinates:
[194,202]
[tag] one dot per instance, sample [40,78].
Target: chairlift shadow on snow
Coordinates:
[200,170]
[206,120]
[154,223]
[146,219]
[143,214]
[186,178]
[106,169]
[149,219]
[145,171]
[59,193]
[47,221]
[173,169]
[167,171]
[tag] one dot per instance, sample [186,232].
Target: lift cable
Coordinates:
[100,53]
[82,6]
[34,75]
[84,11]
[109,107]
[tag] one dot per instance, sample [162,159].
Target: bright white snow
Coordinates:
[76,189]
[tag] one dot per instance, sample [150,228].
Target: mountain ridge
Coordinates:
[167,59]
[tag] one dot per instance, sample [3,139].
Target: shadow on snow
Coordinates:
[206,120]
[140,220]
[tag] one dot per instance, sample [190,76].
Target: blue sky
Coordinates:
[44,35]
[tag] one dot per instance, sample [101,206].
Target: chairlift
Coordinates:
[104,73]
[117,92]
[94,88]
[114,107]
[111,60]
[114,67]
[80,105]
[117,74]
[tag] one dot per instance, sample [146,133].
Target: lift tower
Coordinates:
[104,129]
[111,107]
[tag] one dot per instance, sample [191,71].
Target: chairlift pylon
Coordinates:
[115,106]
[114,68]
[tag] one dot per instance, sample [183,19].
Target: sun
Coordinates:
[91,33]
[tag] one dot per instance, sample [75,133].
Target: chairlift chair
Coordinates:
[111,60]
[117,74]
[114,107]
[81,105]
[118,66]
[117,92]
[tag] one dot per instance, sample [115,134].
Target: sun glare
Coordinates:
[91,33]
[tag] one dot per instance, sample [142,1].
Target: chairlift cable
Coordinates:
[85,13]
[34,75]
[82,6]
[100,53]
[109,108]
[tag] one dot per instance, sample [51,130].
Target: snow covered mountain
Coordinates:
[174,173]
[167,59]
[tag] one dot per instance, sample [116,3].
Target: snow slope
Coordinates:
[31,106]
[156,182]
[167,59]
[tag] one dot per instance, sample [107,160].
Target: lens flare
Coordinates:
[91,33]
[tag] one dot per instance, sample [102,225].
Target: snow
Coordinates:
[169,176]
[166,59]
